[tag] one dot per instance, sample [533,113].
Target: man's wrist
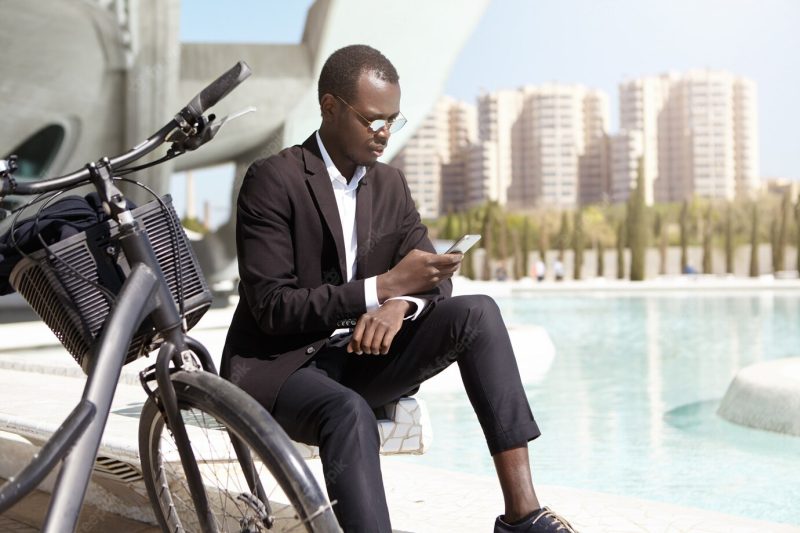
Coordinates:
[401,305]
[384,286]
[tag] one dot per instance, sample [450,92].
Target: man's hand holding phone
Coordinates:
[417,272]
[463,244]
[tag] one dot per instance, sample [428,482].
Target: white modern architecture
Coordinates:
[87,78]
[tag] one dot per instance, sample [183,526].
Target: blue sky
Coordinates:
[596,43]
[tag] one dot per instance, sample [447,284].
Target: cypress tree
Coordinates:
[708,266]
[773,244]
[450,230]
[518,267]
[684,225]
[797,236]
[621,250]
[601,262]
[503,234]
[754,267]
[543,240]
[503,239]
[486,232]
[526,246]
[729,252]
[563,235]
[578,244]
[660,234]
[786,206]
[637,229]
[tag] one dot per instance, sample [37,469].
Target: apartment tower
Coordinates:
[696,133]
[433,158]
[547,144]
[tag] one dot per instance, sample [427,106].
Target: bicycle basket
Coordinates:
[76,310]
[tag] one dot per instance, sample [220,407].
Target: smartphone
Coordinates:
[463,244]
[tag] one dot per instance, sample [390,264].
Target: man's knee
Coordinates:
[474,308]
[348,415]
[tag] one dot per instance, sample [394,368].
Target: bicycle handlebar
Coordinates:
[207,98]
[218,89]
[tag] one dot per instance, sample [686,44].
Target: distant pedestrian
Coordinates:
[558,270]
[500,274]
[539,270]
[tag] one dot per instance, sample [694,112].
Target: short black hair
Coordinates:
[340,73]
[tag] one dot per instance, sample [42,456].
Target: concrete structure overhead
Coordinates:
[83,79]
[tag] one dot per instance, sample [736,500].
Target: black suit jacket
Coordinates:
[291,254]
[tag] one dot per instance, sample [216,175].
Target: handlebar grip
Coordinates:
[218,89]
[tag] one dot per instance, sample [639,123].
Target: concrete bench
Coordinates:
[404,428]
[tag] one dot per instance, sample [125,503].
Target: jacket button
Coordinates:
[310,350]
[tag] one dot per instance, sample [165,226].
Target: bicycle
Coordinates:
[114,293]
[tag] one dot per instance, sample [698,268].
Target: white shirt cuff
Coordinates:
[371,293]
[419,302]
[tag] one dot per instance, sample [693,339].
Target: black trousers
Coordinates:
[330,401]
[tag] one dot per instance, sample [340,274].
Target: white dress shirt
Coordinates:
[345,194]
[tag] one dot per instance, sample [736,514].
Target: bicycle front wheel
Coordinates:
[218,415]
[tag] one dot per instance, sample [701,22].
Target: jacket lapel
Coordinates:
[320,185]
[363,224]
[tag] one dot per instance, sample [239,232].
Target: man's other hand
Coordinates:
[375,330]
[417,272]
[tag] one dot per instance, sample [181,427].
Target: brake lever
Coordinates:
[234,116]
[206,130]
[213,128]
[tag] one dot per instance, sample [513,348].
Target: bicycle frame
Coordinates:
[145,293]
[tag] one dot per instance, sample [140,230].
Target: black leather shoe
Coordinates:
[545,521]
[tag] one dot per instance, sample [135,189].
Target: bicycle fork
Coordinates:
[166,401]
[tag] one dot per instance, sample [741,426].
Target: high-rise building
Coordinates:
[548,145]
[557,140]
[594,170]
[626,150]
[434,157]
[698,134]
[498,122]
[464,179]
[545,145]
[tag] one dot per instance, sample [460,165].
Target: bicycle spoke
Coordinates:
[217,453]
[217,429]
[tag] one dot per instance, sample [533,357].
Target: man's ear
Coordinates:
[328,107]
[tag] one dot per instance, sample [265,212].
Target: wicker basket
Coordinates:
[76,310]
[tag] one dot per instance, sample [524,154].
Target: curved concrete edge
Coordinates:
[765,396]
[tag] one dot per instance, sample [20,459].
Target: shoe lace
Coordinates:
[562,524]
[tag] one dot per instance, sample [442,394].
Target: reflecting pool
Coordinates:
[628,405]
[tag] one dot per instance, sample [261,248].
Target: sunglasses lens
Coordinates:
[398,123]
[377,125]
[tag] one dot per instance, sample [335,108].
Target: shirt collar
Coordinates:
[334,173]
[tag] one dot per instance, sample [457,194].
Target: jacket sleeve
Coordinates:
[415,237]
[266,253]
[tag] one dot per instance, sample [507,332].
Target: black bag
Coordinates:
[60,220]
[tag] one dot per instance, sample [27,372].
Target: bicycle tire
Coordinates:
[210,405]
